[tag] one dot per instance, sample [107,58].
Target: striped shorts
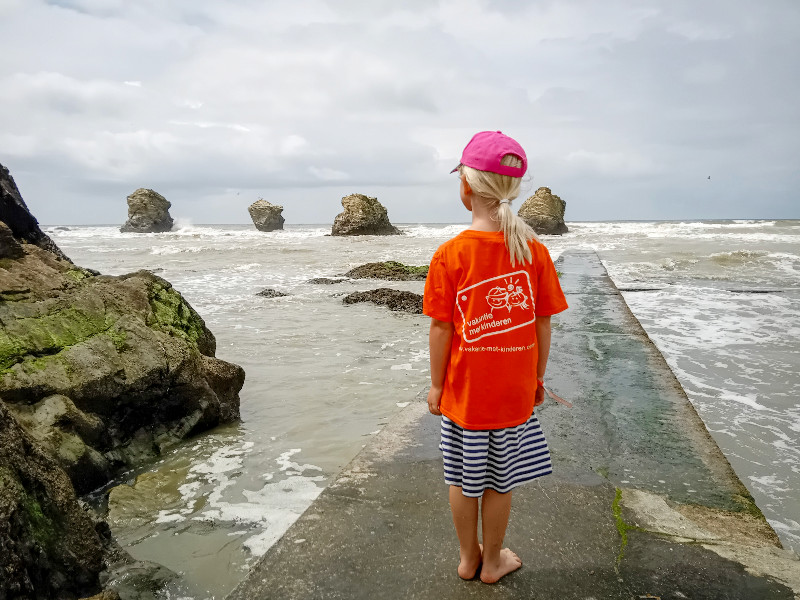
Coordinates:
[500,459]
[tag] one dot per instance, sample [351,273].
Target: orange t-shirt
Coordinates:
[491,377]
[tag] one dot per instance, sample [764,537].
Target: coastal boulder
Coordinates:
[390,270]
[148,212]
[266,216]
[397,300]
[363,215]
[103,372]
[544,211]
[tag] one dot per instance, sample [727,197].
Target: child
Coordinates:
[490,293]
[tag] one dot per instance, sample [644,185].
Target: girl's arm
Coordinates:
[543,340]
[440,337]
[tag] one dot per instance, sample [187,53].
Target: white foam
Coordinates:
[434,231]
[284,463]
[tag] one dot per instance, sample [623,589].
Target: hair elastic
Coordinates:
[505,201]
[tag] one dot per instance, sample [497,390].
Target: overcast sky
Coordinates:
[624,108]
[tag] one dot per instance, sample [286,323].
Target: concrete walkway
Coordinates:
[642,503]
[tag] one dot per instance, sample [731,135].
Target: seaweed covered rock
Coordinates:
[105,372]
[326,280]
[390,270]
[363,215]
[266,216]
[148,212]
[271,293]
[399,300]
[49,547]
[544,211]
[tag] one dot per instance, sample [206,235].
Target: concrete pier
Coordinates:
[642,503]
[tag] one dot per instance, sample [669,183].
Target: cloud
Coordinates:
[619,108]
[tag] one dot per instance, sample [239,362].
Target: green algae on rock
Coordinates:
[98,374]
[390,270]
[397,300]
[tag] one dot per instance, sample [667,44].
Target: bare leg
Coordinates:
[465,518]
[497,561]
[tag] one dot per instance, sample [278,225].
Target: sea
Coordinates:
[720,299]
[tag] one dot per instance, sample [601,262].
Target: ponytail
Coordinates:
[500,190]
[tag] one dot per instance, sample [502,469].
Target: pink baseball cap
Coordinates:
[487,148]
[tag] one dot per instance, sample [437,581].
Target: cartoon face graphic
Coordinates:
[496,306]
[497,297]
[517,298]
[508,296]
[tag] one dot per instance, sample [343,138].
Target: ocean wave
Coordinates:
[433,230]
[737,257]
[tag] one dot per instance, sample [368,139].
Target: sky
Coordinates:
[625,108]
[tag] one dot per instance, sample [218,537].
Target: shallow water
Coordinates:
[323,377]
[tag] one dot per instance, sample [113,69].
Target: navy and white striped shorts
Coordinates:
[500,459]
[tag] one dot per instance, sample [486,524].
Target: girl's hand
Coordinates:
[539,396]
[434,397]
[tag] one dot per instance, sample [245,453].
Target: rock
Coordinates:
[148,212]
[270,293]
[97,374]
[23,225]
[266,216]
[363,215]
[326,280]
[544,211]
[129,579]
[105,372]
[128,350]
[9,246]
[395,299]
[391,270]
[49,547]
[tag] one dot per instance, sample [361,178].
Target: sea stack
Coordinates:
[148,212]
[544,211]
[266,216]
[363,215]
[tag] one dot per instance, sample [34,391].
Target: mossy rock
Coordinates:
[389,270]
[397,300]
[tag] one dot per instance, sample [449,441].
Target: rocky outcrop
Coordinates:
[103,371]
[266,216]
[17,219]
[271,293]
[400,300]
[390,270]
[363,215]
[544,211]
[148,212]
[97,374]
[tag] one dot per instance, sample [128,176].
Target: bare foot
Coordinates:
[469,565]
[508,562]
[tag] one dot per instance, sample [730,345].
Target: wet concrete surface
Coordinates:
[642,504]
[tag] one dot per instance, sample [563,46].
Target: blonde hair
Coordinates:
[492,188]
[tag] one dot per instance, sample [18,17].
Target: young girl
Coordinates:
[490,293]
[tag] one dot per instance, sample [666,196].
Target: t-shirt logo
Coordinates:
[497,305]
